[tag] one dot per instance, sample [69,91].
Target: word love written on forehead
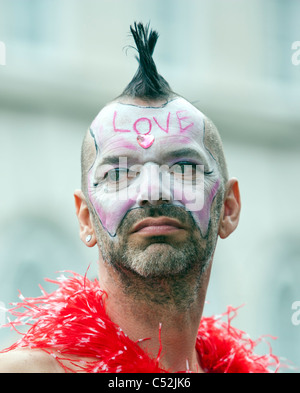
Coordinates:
[143,126]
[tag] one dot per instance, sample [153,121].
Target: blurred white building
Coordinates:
[233,60]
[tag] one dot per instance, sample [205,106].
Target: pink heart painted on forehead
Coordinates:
[145,141]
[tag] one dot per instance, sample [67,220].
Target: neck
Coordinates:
[140,306]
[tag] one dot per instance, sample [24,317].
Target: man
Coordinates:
[155,198]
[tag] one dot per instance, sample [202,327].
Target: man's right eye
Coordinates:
[118,175]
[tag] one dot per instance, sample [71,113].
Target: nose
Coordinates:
[155,187]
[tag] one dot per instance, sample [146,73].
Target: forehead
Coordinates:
[121,128]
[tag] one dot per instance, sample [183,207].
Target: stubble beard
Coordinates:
[161,270]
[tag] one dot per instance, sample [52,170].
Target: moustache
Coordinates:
[164,210]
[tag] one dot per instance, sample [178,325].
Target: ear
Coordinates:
[231,209]
[86,227]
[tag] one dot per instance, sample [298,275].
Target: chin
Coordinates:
[160,260]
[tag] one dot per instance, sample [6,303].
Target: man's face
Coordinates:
[152,186]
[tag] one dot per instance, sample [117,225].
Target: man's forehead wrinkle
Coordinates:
[165,149]
[161,157]
[112,143]
[115,142]
[192,144]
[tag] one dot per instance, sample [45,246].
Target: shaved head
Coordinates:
[149,89]
[151,156]
[212,141]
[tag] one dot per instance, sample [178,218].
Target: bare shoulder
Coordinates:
[28,361]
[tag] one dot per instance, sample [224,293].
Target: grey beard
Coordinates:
[163,273]
[160,258]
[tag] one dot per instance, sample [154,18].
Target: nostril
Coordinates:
[146,202]
[143,202]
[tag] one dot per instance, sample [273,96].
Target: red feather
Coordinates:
[72,321]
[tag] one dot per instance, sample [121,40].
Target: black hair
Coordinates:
[146,83]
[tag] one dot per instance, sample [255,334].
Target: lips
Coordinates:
[157,226]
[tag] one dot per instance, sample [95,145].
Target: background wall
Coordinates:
[233,59]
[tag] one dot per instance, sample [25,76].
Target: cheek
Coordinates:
[111,214]
[203,215]
[110,208]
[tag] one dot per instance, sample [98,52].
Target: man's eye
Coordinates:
[115,175]
[118,175]
[184,170]
[188,170]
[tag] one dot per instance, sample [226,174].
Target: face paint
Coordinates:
[140,153]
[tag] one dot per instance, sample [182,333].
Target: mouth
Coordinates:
[157,226]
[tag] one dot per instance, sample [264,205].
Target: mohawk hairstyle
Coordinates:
[146,83]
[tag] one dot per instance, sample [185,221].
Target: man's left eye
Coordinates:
[185,170]
[189,170]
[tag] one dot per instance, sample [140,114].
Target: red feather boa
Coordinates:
[72,321]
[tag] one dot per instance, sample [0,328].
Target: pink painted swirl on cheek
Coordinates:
[114,215]
[112,211]
[203,216]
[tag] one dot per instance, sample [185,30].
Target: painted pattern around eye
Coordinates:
[119,175]
[186,171]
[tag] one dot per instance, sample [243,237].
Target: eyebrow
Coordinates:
[110,160]
[185,152]
[181,153]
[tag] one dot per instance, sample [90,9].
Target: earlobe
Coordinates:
[231,209]
[86,228]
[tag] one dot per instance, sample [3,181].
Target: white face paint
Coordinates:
[140,155]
